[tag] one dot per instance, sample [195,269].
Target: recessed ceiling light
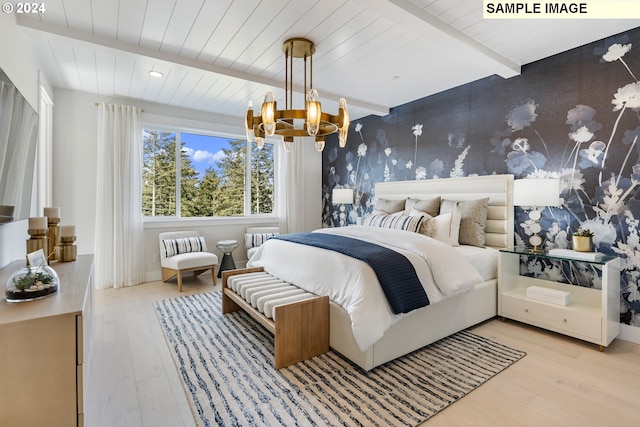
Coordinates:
[154,73]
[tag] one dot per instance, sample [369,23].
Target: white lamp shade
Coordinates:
[342,195]
[536,192]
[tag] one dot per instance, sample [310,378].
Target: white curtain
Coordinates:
[290,200]
[119,232]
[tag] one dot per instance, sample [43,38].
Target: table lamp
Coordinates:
[536,192]
[342,196]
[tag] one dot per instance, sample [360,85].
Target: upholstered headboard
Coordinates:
[499,230]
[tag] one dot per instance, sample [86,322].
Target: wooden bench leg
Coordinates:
[302,331]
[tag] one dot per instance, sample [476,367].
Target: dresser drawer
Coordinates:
[579,322]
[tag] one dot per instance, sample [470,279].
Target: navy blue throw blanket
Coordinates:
[395,272]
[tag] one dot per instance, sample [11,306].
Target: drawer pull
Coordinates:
[526,310]
[564,320]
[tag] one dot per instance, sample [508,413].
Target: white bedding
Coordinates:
[353,285]
[484,260]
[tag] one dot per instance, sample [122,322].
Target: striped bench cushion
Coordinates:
[265,292]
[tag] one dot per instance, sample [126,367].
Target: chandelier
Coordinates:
[290,123]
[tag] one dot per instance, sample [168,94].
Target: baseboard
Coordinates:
[152,276]
[630,333]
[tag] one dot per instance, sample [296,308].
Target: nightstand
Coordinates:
[593,314]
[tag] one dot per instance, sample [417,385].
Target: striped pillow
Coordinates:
[253,240]
[399,222]
[184,245]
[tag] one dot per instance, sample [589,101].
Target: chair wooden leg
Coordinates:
[168,273]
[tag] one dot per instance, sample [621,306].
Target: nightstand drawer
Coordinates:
[582,324]
[518,308]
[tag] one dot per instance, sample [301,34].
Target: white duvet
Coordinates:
[352,284]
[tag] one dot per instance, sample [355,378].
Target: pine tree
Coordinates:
[262,179]
[159,174]
[189,183]
[230,193]
[207,191]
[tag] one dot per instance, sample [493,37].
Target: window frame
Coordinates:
[162,221]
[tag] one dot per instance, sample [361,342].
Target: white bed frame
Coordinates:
[427,325]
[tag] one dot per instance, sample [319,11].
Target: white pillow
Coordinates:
[444,227]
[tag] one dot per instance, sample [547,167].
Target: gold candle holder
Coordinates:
[68,249]
[38,240]
[54,230]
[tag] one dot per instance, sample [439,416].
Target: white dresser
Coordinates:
[45,346]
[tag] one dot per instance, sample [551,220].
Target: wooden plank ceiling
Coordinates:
[216,55]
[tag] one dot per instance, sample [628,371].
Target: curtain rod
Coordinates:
[98,104]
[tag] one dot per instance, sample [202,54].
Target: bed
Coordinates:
[405,332]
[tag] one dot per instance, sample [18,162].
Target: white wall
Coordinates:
[18,60]
[75,164]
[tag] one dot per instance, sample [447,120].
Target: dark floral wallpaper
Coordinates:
[573,116]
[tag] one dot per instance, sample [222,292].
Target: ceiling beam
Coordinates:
[135,50]
[429,27]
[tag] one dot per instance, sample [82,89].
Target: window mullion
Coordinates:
[178,172]
[247,180]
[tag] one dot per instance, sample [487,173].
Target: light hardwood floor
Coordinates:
[561,381]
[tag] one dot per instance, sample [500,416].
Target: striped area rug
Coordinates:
[226,366]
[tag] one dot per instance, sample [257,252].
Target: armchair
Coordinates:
[255,236]
[183,251]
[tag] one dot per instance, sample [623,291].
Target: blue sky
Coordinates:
[204,150]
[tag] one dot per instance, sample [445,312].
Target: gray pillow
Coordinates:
[389,206]
[430,206]
[473,219]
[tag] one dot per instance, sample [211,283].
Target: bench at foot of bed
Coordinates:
[299,320]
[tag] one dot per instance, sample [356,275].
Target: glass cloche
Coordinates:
[30,283]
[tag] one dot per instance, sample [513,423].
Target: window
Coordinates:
[188,174]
